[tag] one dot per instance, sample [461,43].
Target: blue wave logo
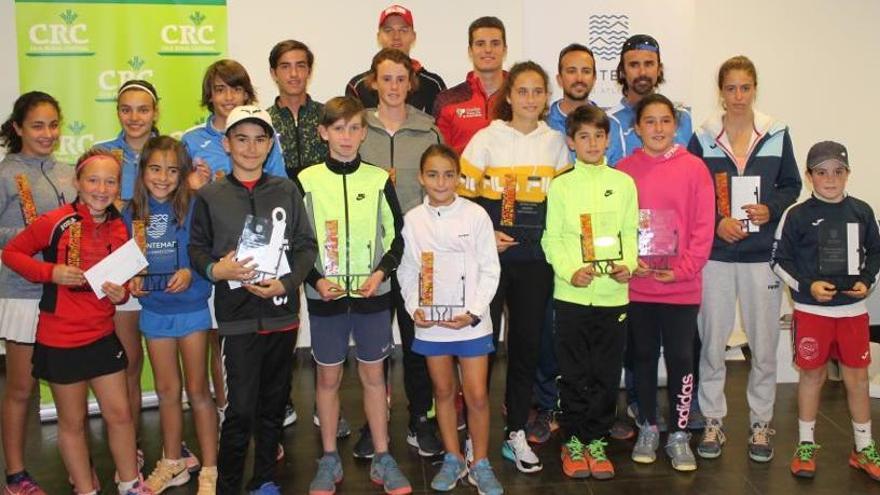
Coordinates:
[607,34]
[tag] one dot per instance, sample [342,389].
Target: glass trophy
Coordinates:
[262,240]
[601,242]
[350,267]
[164,264]
[442,285]
[839,252]
[658,237]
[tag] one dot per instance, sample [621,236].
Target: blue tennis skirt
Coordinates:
[480,346]
[163,326]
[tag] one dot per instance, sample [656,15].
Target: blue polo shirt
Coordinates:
[622,138]
[556,121]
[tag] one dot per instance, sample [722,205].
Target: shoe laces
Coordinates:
[519,442]
[391,473]
[28,486]
[326,465]
[164,472]
[647,435]
[597,449]
[483,473]
[712,432]
[451,466]
[761,433]
[575,449]
[806,451]
[678,443]
[870,453]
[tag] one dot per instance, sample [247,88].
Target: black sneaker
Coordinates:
[423,436]
[363,448]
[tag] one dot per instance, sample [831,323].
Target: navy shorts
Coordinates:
[331,334]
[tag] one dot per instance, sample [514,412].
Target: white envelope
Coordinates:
[744,190]
[118,267]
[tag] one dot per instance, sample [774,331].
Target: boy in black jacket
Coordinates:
[256,302]
[827,251]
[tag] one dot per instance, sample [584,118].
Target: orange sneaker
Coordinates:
[600,467]
[574,462]
[803,464]
[868,460]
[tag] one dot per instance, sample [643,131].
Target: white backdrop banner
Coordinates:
[603,25]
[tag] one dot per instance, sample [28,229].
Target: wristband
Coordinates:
[208,272]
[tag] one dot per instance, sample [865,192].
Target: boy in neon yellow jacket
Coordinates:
[590,240]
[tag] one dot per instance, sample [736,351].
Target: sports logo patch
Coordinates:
[808,348]
[158,225]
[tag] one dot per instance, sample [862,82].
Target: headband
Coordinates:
[140,87]
[92,158]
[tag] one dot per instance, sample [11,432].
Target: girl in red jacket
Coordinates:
[76,347]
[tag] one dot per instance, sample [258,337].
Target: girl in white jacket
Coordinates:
[448,276]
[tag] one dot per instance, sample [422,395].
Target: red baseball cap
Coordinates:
[395,9]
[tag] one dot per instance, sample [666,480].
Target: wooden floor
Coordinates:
[732,473]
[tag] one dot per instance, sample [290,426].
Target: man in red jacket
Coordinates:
[464,109]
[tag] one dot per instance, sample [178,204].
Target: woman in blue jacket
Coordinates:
[749,155]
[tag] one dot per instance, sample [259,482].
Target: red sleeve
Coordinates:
[19,252]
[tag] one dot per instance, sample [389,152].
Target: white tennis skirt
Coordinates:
[18,320]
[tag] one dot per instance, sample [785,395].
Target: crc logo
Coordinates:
[76,143]
[68,37]
[196,38]
[109,81]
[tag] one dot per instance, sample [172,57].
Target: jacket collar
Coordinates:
[443,210]
[343,168]
[82,210]
[233,180]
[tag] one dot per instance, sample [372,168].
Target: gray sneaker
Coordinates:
[760,449]
[712,441]
[385,472]
[645,450]
[678,450]
[328,476]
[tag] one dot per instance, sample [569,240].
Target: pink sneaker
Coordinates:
[23,484]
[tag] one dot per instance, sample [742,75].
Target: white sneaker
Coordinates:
[516,449]
[468,450]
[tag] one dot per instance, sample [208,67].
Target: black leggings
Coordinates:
[525,288]
[675,326]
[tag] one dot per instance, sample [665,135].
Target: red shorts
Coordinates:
[817,338]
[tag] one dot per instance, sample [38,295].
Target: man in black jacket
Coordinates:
[396,30]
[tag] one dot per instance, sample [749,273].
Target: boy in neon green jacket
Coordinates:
[590,240]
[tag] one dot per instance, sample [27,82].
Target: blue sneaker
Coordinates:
[452,470]
[385,472]
[481,476]
[328,476]
[267,488]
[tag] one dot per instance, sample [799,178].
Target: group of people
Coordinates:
[598,236]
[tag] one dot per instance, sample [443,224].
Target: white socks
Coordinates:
[806,431]
[125,486]
[862,435]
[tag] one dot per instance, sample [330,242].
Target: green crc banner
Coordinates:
[80,52]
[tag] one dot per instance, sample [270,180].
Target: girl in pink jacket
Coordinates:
[676,228]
